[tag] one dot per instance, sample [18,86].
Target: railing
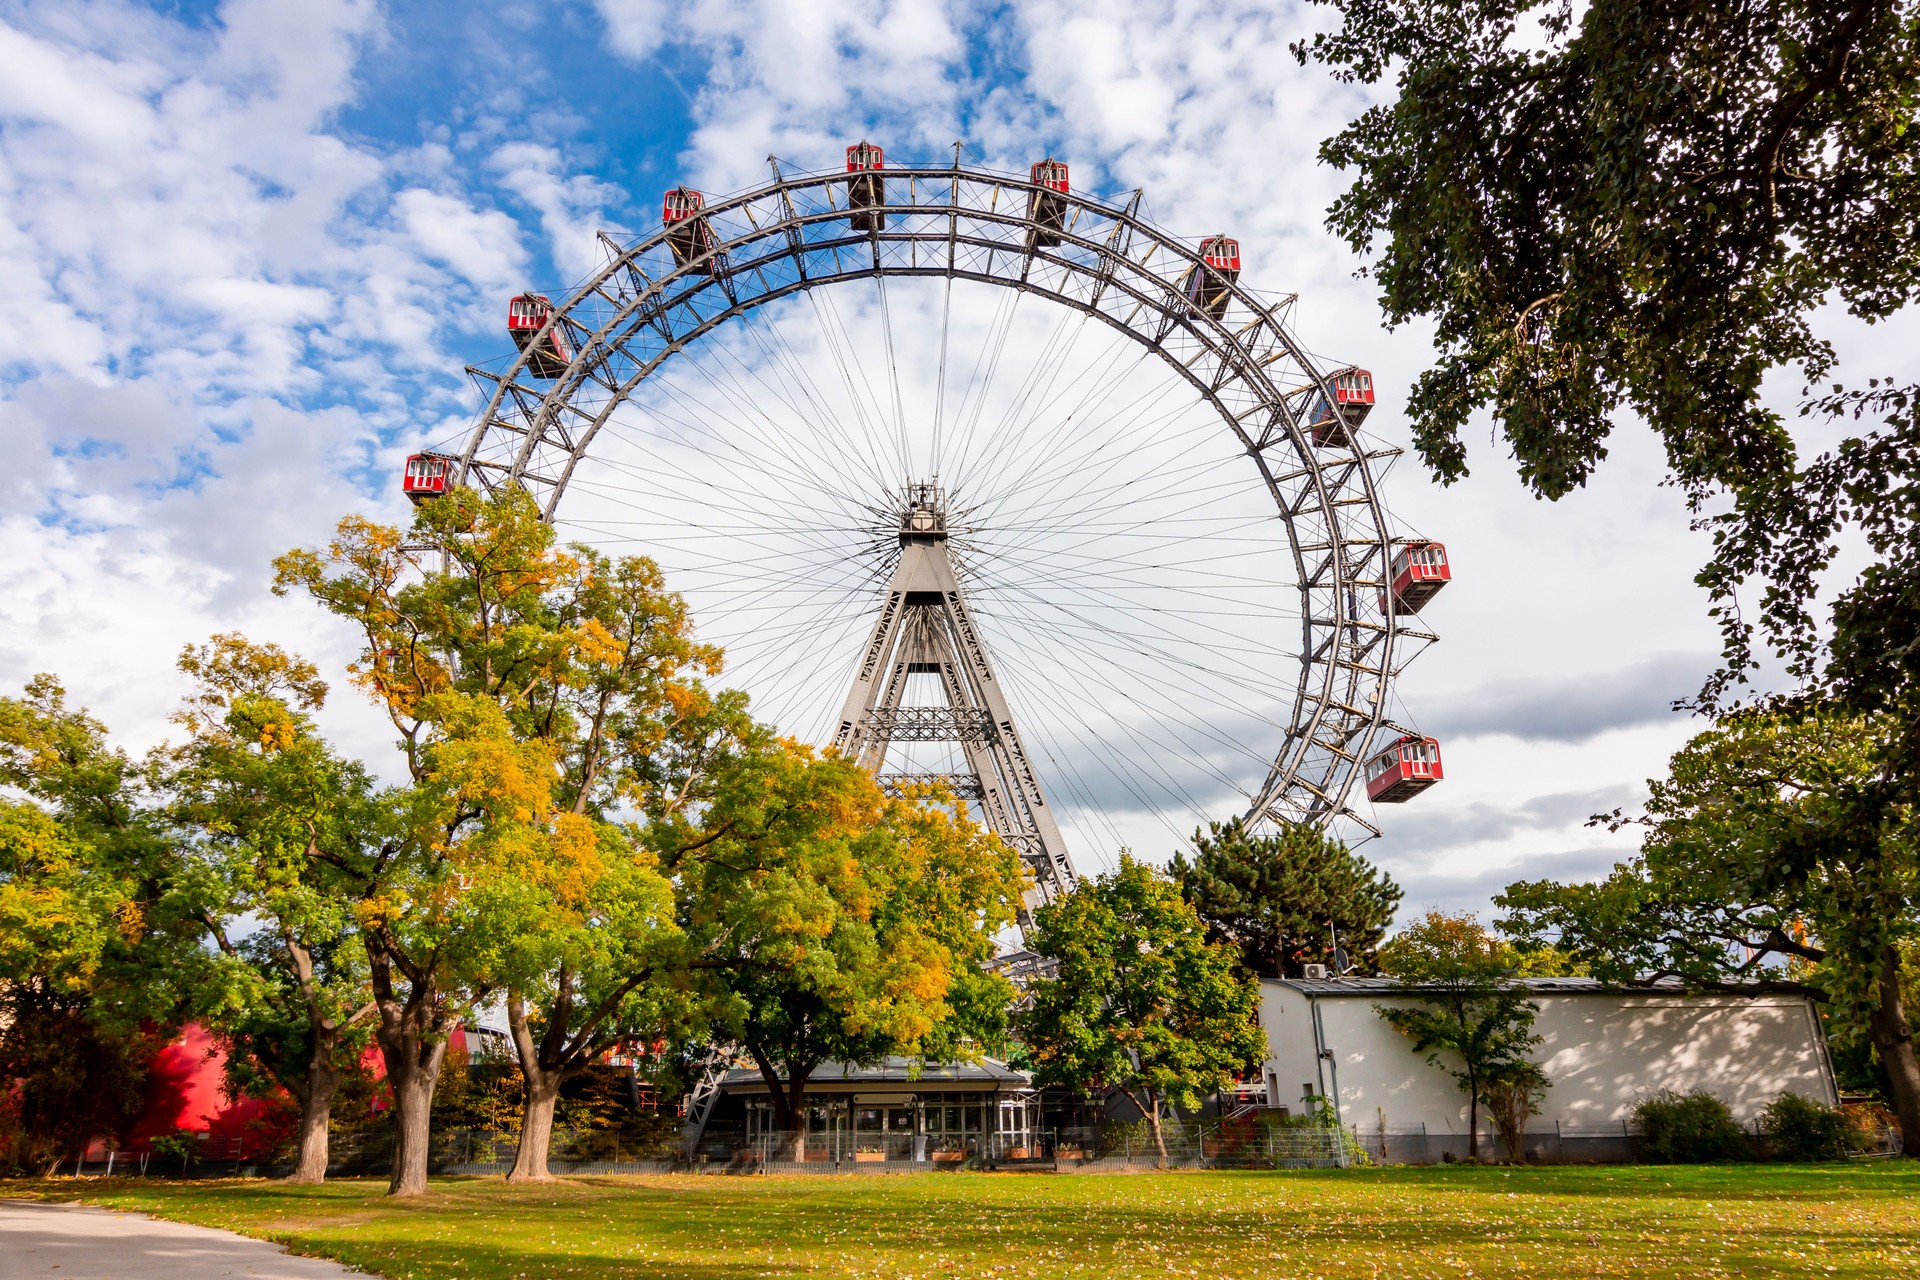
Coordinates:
[1231,1143]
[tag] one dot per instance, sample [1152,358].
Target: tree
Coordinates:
[1512,1092]
[835,923]
[94,958]
[1769,863]
[1464,1008]
[539,693]
[1140,1001]
[1280,897]
[1629,204]
[283,831]
[1642,207]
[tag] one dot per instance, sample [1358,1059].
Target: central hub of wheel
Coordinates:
[923,514]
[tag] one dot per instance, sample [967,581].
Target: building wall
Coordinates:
[1603,1053]
[1293,1069]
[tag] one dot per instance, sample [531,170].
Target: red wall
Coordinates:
[184,1091]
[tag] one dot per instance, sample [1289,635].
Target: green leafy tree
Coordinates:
[1460,1006]
[1140,1000]
[545,697]
[1641,209]
[1768,862]
[1280,897]
[607,688]
[283,835]
[1627,205]
[476,799]
[835,923]
[95,961]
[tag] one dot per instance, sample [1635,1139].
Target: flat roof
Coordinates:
[1375,988]
[897,1072]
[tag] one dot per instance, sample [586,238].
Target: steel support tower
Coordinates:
[925,628]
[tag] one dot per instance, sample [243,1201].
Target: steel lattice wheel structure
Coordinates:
[1313,673]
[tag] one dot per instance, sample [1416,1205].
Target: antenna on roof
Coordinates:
[1342,962]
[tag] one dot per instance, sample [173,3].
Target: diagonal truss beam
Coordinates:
[925,628]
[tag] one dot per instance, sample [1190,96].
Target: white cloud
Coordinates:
[483,248]
[215,298]
[801,81]
[571,206]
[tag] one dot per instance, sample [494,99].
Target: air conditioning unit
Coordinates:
[1315,973]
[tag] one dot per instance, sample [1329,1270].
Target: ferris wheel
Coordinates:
[981,479]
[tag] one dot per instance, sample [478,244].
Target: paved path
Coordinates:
[80,1242]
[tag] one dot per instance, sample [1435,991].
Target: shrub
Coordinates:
[1689,1128]
[1799,1128]
[1125,1137]
[178,1147]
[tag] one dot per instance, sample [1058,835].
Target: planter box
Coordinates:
[870,1157]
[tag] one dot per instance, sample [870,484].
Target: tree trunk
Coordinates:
[536,1129]
[413,1110]
[788,1097]
[795,1145]
[413,1035]
[1473,1120]
[1893,1038]
[539,1091]
[1153,1122]
[315,1093]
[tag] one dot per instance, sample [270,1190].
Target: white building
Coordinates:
[1604,1048]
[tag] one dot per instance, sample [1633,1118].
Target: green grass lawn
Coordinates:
[1761,1220]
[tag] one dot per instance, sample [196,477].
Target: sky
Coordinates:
[249,248]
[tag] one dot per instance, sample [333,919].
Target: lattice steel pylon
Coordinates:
[925,628]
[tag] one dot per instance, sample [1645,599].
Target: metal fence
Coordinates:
[1562,1144]
[1615,1143]
[1064,1149]
[1218,1145]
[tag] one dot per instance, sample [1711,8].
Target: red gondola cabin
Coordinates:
[1046,207]
[1208,285]
[866,189]
[1418,572]
[427,475]
[688,233]
[1352,401]
[549,356]
[1406,768]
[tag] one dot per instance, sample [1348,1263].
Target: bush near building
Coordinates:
[1799,1129]
[1689,1128]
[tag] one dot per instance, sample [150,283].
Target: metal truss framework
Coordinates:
[925,628]
[644,308]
